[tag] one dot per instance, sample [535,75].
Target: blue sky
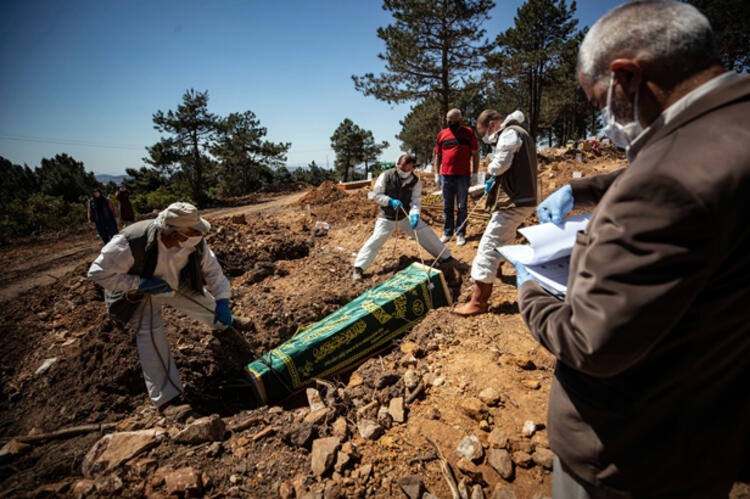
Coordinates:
[85,77]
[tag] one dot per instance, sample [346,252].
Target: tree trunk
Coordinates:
[198,170]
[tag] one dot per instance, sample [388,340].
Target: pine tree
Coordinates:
[532,50]
[433,49]
[730,20]
[247,160]
[346,142]
[182,155]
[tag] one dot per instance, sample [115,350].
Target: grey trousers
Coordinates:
[159,369]
[383,230]
[567,486]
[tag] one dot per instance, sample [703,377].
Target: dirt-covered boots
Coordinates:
[479,302]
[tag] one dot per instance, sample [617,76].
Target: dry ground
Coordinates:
[283,276]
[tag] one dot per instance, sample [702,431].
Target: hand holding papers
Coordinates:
[547,256]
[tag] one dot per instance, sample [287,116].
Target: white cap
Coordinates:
[514,116]
[184,215]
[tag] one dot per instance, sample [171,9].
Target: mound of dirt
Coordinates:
[325,193]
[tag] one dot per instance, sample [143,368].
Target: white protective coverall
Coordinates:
[501,229]
[110,270]
[384,227]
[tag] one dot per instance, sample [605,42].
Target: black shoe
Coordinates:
[176,409]
[243,324]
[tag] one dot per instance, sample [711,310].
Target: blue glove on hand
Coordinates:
[522,274]
[488,185]
[556,206]
[396,204]
[154,286]
[223,314]
[413,220]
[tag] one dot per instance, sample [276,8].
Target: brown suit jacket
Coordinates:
[653,339]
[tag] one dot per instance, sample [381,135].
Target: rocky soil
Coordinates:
[454,403]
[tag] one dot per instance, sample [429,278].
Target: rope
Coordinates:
[164,365]
[247,343]
[445,247]
[430,286]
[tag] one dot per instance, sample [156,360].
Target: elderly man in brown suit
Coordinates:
[650,395]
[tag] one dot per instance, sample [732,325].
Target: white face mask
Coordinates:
[190,242]
[402,173]
[620,135]
[487,139]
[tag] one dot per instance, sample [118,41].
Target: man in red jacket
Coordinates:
[456,147]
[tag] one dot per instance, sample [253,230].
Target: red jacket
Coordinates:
[456,150]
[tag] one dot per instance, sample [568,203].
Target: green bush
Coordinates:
[37,214]
[155,200]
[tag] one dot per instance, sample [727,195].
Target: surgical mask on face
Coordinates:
[487,139]
[402,173]
[620,135]
[190,242]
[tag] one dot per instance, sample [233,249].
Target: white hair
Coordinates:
[453,114]
[667,33]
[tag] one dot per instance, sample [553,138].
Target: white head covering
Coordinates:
[514,116]
[182,215]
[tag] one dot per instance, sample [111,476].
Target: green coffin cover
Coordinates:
[351,334]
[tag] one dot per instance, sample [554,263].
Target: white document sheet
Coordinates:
[547,256]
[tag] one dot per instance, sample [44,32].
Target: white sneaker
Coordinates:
[445,239]
[460,240]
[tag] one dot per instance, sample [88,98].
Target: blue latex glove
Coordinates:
[488,185]
[521,274]
[223,314]
[413,220]
[154,286]
[556,206]
[396,204]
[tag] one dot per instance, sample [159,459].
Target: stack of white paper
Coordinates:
[547,256]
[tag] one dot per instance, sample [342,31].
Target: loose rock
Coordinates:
[490,396]
[314,400]
[498,438]
[477,492]
[207,429]
[339,428]
[323,454]
[411,379]
[522,459]
[114,449]
[531,384]
[529,428]
[470,447]
[396,409]
[543,457]
[474,408]
[299,436]
[501,462]
[412,486]
[369,429]
[503,493]
[184,482]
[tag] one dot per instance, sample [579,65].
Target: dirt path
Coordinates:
[44,262]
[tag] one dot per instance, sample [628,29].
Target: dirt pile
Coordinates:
[325,193]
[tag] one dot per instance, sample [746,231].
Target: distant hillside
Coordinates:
[106,178]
